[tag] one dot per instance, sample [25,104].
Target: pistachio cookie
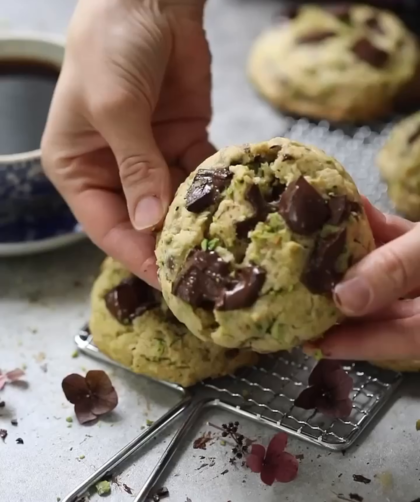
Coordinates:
[254,242]
[339,63]
[131,323]
[399,163]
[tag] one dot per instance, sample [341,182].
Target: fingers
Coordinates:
[126,126]
[385,275]
[391,339]
[385,227]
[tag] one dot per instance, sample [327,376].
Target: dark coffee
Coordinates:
[26,90]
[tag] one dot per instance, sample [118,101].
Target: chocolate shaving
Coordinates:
[414,136]
[316,37]
[320,275]
[370,54]
[361,479]
[374,24]
[206,188]
[206,283]
[3,434]
[303,208]
[130,299]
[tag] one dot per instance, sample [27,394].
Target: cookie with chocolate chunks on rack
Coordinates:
[131,323]
[255,267]
[342,62]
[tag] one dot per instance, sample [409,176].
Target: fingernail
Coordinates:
[353,296]
[148,214]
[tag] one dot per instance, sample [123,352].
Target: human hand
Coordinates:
[133,98]
[381,296]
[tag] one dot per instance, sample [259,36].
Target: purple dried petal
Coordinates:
[287,468]
[75,388]
[83,411]
[255,459]
[308,398]
[340,383]
[268,474]
[277,446]
[334,408]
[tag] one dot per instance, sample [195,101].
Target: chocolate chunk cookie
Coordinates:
[254,266]
[340,63]
[131,323]
[399,163]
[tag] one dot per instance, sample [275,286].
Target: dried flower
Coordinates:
[10,376]
[275,464]
[92,395]
[329,390]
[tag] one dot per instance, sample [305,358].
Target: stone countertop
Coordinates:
[45,299]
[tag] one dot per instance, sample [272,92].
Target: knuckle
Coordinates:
[393,268]
[104,107]
[135,169]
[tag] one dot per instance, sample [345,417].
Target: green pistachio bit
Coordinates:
[418,425]
[75,354]
[149,422]
[103,488]
[69,420]
[318,355]
[204,244]
[212,244]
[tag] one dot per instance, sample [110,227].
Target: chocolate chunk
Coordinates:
[320,275]
[130,299]
[206,283]
[374,24]
[370,54]
[303,208]
[243,290]
[202,282]
[359,478]
[231,353]
[415,136]
[316,37]
[257,201]
[277,190]
[206,188]
[287,157]
[340,209]
[341,11]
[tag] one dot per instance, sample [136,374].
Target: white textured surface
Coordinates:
[44,300]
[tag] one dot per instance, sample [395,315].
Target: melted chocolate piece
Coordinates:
[243,290]
[415,136]
[320,275]
[340,209]
[370,54]
[206,188]
[341,11]
[374,24]
[316,37]
[303,208]
[202,282]
[206,283]
[231,353]
[130,299]
[287,157]
[277,190]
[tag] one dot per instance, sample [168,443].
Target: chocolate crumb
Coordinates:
[320,275]
[303,208]
[19,441]
[370,54]
[2,404]
[361,479]
[130,299]
[127,489]
[3,434]
[356,497]
[206,188]
[160,494]
[316,37]
[201,442]
[14,422]
[224,472]
[300,456]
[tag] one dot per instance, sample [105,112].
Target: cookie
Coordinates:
[399,164]
[254,242]
[131,323]
[344,63]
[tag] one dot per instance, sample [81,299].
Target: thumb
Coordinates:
[143,171]
[385,275]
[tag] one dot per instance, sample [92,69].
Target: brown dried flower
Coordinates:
[92,395]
